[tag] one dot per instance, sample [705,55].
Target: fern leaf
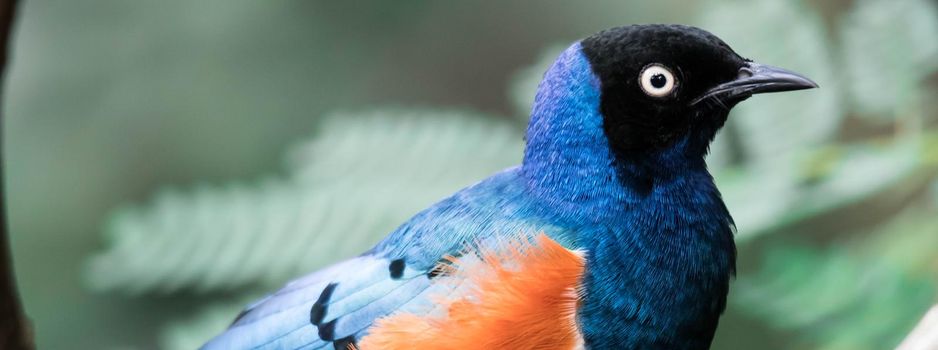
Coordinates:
[889,47]
[360,177]
[862,295]
[852,174]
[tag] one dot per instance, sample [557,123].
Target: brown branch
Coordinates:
[15,332]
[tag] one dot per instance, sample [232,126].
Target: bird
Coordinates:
[610,234]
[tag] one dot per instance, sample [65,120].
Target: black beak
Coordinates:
[757,78]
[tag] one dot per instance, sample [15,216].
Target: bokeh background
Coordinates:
[168,161]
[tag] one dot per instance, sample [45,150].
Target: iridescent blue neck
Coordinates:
[568,161]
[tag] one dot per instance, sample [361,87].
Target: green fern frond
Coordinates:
[852,174]
[361,176]
[862,295]
[404,146]
[889,46]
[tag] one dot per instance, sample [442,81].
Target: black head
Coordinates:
[664,83]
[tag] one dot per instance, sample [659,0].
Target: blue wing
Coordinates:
[334,307]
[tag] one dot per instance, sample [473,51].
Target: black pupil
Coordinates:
[658,80]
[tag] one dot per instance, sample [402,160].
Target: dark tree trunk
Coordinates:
[15,332]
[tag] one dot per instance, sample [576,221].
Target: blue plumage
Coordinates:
[658,237]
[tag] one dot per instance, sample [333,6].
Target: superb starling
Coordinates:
[610,235]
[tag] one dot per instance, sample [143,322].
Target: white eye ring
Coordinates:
[657,80]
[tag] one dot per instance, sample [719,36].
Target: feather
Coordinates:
[523,296]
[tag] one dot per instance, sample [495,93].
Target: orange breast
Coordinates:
[521,297]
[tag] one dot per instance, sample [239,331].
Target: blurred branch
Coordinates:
[925,334]
[14,327]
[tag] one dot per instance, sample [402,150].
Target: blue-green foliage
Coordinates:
[889,48]
[360,176]
[865,293]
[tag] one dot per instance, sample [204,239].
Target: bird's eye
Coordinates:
[657,80]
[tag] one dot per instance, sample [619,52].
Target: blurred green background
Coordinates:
[168,161]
